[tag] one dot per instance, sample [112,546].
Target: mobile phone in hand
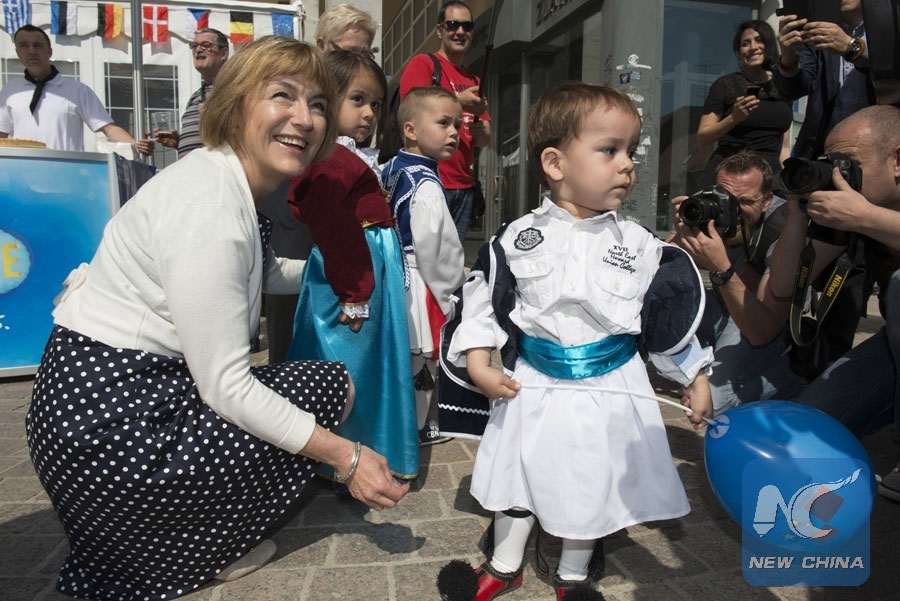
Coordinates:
[753,91]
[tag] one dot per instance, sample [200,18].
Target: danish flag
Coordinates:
[156,23]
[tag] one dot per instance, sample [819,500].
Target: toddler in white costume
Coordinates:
[564,294]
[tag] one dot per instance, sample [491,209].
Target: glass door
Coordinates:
[696,51]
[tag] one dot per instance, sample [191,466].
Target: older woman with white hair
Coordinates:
[167,457]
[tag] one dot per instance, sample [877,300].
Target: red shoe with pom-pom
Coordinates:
[492,584]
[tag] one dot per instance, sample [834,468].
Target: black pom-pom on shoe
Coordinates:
[583,593]
[457,581]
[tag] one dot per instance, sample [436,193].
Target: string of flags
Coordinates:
[155,21]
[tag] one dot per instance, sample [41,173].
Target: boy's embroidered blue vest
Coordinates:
[401,177]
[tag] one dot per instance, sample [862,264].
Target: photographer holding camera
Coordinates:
[861,388]
[730,231]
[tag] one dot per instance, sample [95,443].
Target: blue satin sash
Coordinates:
[576,362]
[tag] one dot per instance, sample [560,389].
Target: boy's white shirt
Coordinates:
[584,280]
[438,254]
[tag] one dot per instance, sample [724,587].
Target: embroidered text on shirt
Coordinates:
[528,239]
[618,256]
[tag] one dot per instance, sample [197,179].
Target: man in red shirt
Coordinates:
[454,29]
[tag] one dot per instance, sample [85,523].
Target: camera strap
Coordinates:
[842,266]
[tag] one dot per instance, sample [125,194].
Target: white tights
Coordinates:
[511,535]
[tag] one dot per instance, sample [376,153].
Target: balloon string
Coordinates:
[687,410]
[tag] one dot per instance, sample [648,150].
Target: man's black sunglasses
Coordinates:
[452,26]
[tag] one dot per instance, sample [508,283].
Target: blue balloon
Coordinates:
[769,458]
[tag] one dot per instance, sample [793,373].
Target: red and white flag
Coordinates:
[156,23]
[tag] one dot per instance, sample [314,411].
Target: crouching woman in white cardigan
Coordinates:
[169,459]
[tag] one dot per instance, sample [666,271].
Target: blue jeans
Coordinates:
[743,372]
[862,389]
[460,204]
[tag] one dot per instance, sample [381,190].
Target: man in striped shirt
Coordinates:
[210,50]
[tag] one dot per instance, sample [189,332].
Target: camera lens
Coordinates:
[692,212]
[802,176]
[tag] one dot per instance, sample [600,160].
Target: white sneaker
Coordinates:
[889,487]
[256,558]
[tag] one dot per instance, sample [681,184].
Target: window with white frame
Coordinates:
[12,67]
[160,96]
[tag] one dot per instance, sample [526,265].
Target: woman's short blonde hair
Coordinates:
[341,18]
[246,72]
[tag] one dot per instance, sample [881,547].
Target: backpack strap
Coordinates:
[436,72]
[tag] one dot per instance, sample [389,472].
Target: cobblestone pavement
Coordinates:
[339,550]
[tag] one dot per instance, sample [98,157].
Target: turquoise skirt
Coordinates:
[377,357]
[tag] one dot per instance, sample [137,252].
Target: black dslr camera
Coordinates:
[714,205]
[802,176]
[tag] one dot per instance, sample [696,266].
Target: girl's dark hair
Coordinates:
[343,65]
[768,37]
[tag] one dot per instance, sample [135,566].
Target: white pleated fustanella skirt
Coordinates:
[586,463]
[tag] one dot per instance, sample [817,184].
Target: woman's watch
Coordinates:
[720,278]
[854,49]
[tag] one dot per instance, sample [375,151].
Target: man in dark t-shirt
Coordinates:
[828,63]
[454,29]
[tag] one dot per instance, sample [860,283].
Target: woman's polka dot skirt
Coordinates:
[156,492]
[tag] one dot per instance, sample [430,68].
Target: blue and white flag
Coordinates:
[16,13]
[283,24]
[63,17]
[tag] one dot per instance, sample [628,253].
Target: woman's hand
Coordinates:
[826,36]
[743,106]
[372,483]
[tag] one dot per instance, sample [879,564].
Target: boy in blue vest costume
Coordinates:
[572,295]
[430,119]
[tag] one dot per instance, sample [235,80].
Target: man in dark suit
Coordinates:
[828,63]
